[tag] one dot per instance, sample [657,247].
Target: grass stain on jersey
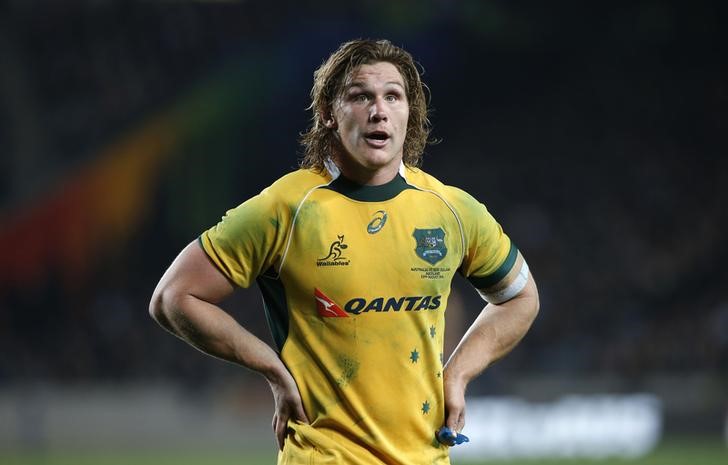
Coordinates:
[349,369]
[310,215]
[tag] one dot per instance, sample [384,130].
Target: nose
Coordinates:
[378,111]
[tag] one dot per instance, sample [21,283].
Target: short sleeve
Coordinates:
[491,262]
[247,241]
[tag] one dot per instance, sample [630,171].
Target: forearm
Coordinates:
[493,334]
[213,331]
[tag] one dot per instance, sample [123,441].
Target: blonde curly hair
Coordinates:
[328,84]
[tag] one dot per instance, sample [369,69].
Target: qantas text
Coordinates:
[359,305]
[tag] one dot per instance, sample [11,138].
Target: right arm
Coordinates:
[185,304]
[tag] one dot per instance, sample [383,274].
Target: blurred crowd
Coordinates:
[596,139]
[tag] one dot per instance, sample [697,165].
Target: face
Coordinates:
[370,119]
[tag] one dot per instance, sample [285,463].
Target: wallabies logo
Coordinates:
[335,256]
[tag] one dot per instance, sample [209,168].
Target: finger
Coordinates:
[300,414]
[280,430]
[455,420]
[461,422]
[275,432]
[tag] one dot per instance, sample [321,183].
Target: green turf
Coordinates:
[673,452]
[149,458]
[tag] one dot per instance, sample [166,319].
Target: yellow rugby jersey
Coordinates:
[355,281]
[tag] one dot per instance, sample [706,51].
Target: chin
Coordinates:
[368,159]
[379,160]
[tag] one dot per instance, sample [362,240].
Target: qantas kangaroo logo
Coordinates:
[326,307]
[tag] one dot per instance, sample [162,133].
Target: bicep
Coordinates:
[193,274]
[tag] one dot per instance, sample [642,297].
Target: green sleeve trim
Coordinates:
[201,243]
[276,308]
[486,281]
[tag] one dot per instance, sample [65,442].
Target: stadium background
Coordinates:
[596,134]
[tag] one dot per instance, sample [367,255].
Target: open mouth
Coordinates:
[376,137]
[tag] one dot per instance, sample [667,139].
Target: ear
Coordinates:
[329,120]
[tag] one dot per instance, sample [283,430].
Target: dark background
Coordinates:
[595,132]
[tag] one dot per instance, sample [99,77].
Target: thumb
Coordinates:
[299,414]
[455,419]
[454,392]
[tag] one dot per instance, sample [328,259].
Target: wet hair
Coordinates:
[329,81]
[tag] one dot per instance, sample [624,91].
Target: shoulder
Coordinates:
[278,201]
[420,179]
[288,191]
[456,197]
[293,186]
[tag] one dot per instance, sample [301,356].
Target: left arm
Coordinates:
[494,333]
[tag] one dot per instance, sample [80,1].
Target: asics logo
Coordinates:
[377,223]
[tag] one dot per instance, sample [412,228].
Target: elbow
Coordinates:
[156,308]
[162,305]
[533,305]
[536,303]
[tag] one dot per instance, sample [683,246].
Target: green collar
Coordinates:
[381,193]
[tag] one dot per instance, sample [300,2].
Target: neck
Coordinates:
[368,177]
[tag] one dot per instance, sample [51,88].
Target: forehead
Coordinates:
[381,72]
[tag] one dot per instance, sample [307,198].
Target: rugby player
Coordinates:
[354,254]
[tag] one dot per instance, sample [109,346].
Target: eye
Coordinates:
[391,98]
[360,98]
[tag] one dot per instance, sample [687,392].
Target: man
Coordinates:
[354,254]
